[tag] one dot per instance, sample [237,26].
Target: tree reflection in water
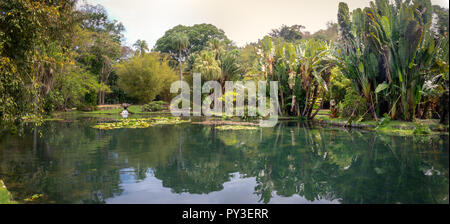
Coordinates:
[73,163]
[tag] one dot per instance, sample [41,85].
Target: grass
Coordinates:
[418,127]
[5,196]
[134,109]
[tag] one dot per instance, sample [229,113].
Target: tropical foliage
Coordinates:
[389,51]
[56,56]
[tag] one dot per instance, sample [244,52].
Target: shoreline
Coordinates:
[395,126]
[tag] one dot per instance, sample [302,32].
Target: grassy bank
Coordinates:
[5,196]
[134,109]
[417,127]
[113,113]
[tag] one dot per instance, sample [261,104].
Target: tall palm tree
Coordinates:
[226,59]
[206,64]
[267,54]
[180,42]
[141,46]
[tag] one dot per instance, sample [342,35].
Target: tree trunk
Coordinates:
[181,72]
[314,99]
[281,94]
[293,102]
[317,111]
[372,107]
[443,104]
[99,97]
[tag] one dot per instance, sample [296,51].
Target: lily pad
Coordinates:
[235,127]
[139,123]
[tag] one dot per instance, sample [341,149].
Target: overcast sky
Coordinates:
[243,21]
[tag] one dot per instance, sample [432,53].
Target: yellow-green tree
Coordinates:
[145,77]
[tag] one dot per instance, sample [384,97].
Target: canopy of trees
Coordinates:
[393,56]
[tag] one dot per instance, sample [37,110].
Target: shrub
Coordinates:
[384,121]
[53,101]
[154,106]
[354,106]
[421,129]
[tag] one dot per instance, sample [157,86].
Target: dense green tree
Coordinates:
[248,59]
[288,33]
[103,47]
[198,36]
[331,33]
[144,77]
[34,39]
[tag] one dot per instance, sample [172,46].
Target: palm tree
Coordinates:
[229,65]
[141,46]
[206,64]
[180,42]
[267,54]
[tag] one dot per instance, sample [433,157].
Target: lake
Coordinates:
[293,162]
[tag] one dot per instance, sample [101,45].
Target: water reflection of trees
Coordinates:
[64,165]
[352,167]
[73,163]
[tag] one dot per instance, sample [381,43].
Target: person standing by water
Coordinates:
[125,112]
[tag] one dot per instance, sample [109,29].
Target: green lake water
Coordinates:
[70,162]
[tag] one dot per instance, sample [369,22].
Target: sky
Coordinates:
[244,21]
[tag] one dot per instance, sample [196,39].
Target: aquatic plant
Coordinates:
[139,123]
[235,127]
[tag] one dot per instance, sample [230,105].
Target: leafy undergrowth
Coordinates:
[235,127]
[5,196]
[34,197]
[412,128]
[139,123]
[394,127]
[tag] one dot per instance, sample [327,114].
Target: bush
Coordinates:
[384,121]
[87,107]
[421,129]
[53,101]
[145,77]
[339,86]
[354,106]
[154,106]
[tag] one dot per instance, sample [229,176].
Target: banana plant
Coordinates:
[284,69]
[314,70]
[387,49]
[266,54]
